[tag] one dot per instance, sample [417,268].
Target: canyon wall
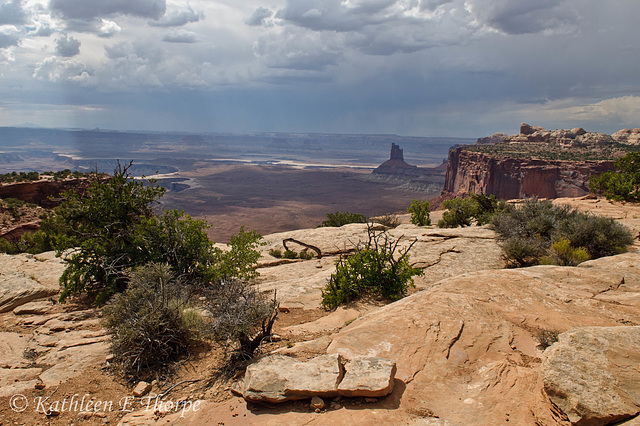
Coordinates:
[509,178]
[41,192]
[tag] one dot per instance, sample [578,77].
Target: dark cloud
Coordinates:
[9,38]
[330,15]
[523,16]
[92,9]
[67,46]
[258,17]
[180,36]
[11,13]
[177,18]
[432,5]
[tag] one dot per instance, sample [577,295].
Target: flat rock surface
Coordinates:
[441,253]
[25,277]
[467,346]
[593,374]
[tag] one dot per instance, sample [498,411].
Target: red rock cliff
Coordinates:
[509,178]
[39,192]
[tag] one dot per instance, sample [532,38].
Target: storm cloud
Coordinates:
[67,46]
[90,9]
[11,13]
[413,67]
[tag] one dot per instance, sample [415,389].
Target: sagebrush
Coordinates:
[537,231]
[152,322]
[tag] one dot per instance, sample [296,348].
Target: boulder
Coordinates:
[279,378]
[368,377]
[593,373]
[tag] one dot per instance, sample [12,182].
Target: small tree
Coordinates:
[111,228]
[241,259]
[419,210]
[623,184]
[104,225]
[460,212]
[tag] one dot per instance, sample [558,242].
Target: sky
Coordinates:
[459,68]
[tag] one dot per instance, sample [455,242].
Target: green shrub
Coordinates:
[30,242]
[487,207]
[373,269]
[305,255]
[289,254]
[537,231]
[521,252]
[600,236]
[151,322]
[623,184]
[338,219]
[275,252]
[241,260]
[178,240]
[460,212]
[419,210]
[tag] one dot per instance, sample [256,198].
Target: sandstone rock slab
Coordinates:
[368,377]
[39,307]
[593,374]
[72,362]
[279,378]
[16,290]
[16,380]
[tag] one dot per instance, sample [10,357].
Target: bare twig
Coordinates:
[165,393]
